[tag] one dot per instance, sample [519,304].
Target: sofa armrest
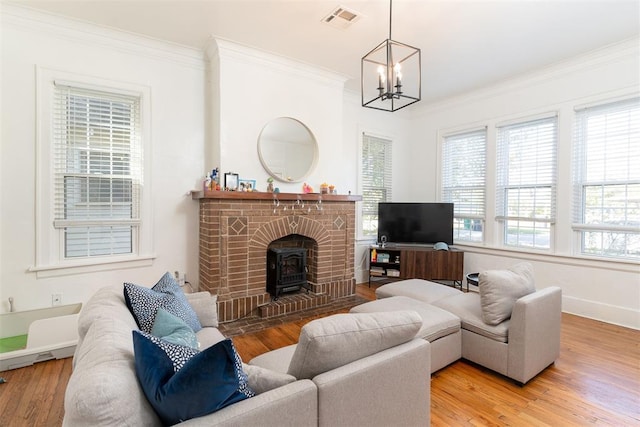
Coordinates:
[295,404]
[534,333]
[391,387]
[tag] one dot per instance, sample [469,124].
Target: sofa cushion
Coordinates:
[144,302]
[499,290]
[173,329]
[104,390]
[206,307]
[436,322]
[261,379]
[337,340]
[419,289]
[106,302]
[208,337]
[277,360]
[182,383]
[467,307]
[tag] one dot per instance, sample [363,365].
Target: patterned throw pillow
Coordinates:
[182,383]
[144,303]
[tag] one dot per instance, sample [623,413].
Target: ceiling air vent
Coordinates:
[341,17]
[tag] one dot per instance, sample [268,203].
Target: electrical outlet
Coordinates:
[56,299]
[180,277]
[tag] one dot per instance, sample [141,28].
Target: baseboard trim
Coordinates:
[608,313]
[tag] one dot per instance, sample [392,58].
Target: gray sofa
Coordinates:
[369,388]
[508,326]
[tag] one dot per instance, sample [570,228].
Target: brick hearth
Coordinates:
[237,228]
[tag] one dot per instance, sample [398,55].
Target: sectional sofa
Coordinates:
[507,326]
[380,380]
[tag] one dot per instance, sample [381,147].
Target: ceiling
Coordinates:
[465,44]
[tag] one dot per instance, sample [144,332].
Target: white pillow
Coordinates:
[206,307]
[337,340]
[500,289]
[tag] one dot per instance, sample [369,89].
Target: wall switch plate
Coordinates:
[56,299]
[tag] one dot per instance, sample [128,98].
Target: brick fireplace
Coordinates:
[237,228]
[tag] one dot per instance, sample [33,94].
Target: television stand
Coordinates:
[399,262]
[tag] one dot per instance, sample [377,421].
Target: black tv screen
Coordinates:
[418,223]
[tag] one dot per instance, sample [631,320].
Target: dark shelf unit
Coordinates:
[384,271]
[416,262]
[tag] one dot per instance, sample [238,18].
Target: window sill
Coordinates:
[630,266]
[90,266]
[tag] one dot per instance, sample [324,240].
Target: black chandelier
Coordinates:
[391,75]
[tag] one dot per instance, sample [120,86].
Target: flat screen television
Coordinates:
[416,223]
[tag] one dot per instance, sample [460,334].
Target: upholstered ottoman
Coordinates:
[422,290]
[439,327]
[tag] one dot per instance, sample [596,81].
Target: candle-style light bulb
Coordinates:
[381,77]
[398,70]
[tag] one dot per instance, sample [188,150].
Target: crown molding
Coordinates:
[227,49]
[25,18]
[612,53]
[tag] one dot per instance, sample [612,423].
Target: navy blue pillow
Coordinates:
[182,383]
[144,303]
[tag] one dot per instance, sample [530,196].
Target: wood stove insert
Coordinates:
[286,270]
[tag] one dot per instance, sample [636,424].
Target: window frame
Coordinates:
[388,176]
[580,180]
[50,260]
[445,188]
[504,185]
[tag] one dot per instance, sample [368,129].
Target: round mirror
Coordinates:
[287,149]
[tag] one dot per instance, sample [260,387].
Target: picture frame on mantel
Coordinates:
[247,184]
[231,181]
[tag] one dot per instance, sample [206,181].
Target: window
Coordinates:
[607,179]
[526,182]
[97,171]
[376,180]
[463,182]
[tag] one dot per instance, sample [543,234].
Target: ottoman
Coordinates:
[420,289]
[439,327]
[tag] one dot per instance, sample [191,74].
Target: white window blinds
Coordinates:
[607,179]
[97,171]
[463,182]
[376,180]
[526,182]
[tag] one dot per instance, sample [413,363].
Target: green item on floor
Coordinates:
[8,344]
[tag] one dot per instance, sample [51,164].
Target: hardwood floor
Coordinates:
[595,381]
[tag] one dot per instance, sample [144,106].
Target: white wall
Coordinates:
[208,113]
[608,291]
[394,126]
[176,79]
[254,88]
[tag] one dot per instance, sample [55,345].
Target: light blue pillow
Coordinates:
[181,383]
[144,303]
[173,329]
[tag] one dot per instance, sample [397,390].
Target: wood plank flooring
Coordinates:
[596,381]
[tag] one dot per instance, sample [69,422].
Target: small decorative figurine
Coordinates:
[324,188]
[270,185]
[306,188]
